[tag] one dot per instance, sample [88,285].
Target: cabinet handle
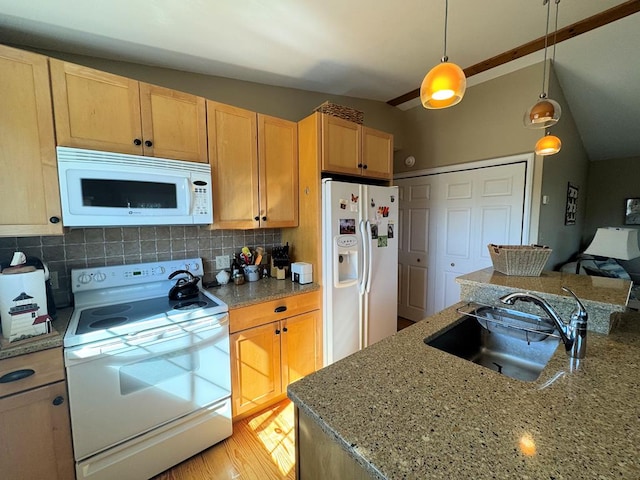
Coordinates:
[281,309]
[54,219]
[285,329]
[17,375]
[277,331]
[148,143]
[256,218]
[364,166]
[359,165]
[264,219]
[137,142]
[59,400]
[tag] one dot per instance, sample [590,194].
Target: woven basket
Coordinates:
[340,111]
[521,260]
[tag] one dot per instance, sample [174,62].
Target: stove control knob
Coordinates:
[100,277]
[84,278]
[196,267]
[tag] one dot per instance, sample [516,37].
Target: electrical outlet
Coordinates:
[222,261]
[53,278]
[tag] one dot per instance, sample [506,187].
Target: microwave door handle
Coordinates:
[191,196]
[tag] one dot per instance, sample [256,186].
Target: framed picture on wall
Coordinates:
[572,205]
[632,211]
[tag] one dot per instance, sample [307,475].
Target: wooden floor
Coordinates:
[262,447]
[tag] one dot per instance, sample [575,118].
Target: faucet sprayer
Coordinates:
[573,334]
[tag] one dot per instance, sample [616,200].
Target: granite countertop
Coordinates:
[237,296]
[595,289]
[402,409]
[41,342]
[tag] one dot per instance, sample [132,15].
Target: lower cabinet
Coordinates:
[35,431]
[281,344]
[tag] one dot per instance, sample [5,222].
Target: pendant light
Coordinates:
[548,145]
[545,112]
[445,83]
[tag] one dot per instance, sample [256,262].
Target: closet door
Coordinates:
[473,208]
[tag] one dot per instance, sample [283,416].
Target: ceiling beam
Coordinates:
[603,18]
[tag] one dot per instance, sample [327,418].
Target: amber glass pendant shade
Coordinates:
[443,86]
[544,113]
[548,145]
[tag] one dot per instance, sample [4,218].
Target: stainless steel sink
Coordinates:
[509,342]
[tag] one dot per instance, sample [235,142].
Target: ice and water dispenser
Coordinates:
[345,260]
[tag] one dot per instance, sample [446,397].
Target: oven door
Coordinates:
[123,387]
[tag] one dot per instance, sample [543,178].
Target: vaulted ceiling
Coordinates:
[374,49]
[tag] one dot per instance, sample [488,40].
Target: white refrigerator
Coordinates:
[360,266]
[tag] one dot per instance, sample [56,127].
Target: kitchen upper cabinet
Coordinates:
[29,192]
[377,154]
[351,149]
[102,111]
[35,442]
[254,164]
[272,344]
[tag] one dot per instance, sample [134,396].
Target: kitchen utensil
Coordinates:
[259,252]
[184,287]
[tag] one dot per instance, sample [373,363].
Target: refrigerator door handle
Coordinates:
[369,257]
[365,255]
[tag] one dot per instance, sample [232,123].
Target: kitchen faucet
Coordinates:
[573,334]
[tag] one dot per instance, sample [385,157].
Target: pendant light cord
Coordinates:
[555,32]
[546,35]
[446,22]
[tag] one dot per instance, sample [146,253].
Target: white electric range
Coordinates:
[149,378]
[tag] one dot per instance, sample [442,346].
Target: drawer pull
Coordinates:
[17,375]
[59,400]
[280,309]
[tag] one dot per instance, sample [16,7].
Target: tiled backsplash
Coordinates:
[93,247]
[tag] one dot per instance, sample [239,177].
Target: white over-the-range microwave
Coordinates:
[104,189]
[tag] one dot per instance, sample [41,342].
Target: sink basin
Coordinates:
[500,345]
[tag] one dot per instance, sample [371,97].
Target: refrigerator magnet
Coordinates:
[382,241]
[374,231]
[354,202]
[343,204]
[347,226]
[390,230]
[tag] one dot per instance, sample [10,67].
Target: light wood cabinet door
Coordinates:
[255,367]
[278,172]
[341,146]
[233,155]
[377,154]
[95,110]
[29,192]
[174,124]
[35,442]
[301,347]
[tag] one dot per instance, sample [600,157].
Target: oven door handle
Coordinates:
[214,327]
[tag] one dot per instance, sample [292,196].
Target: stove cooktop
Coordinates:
[110,316]
[119,300]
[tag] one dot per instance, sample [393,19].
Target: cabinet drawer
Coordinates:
[29,371]
[273,310]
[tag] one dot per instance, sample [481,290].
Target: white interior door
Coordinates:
[413,246]
[472,209]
